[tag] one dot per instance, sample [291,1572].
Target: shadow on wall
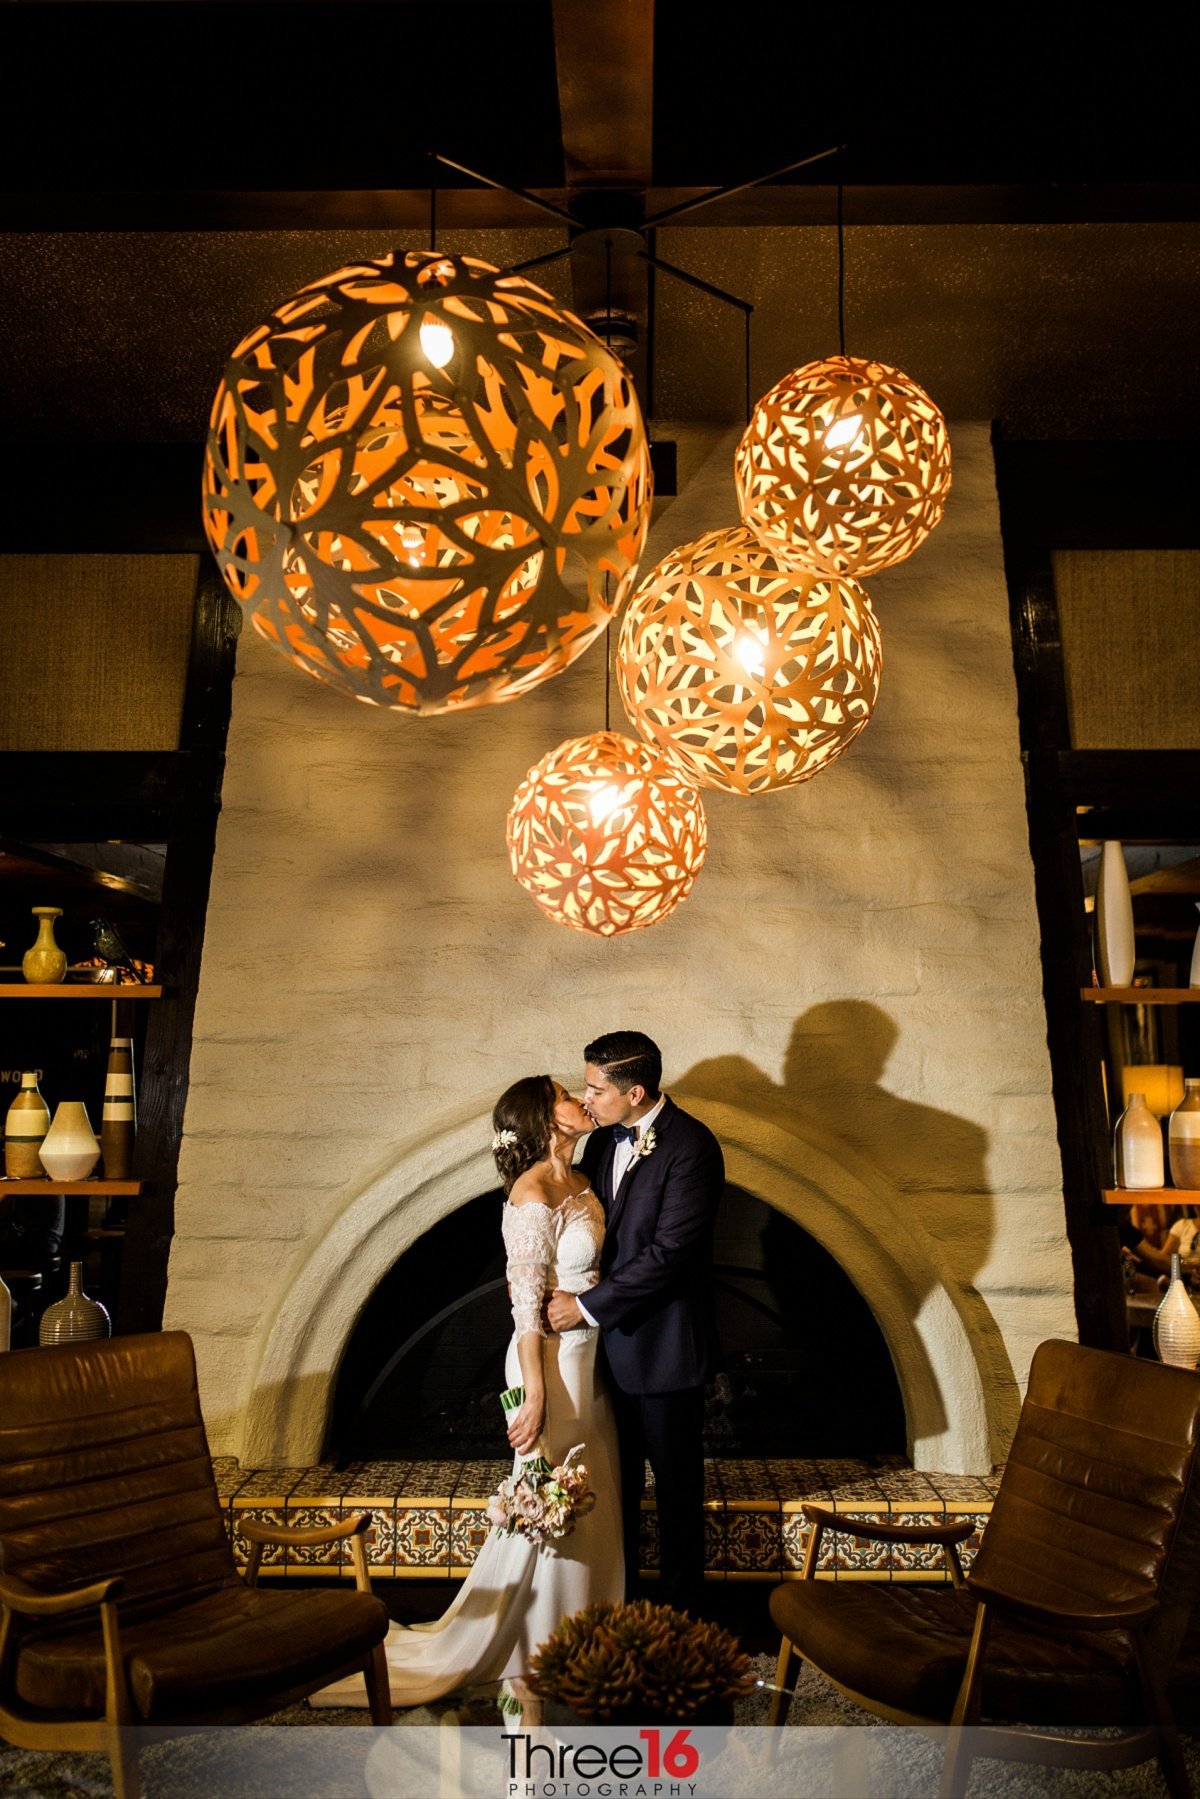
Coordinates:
[833,1085]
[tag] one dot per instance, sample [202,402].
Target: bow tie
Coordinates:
[625,1133]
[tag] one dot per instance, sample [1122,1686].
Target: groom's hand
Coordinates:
[562,1311]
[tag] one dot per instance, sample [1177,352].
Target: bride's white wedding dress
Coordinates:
[517,1594]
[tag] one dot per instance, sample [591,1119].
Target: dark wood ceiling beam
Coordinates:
[604,53]
[403,211]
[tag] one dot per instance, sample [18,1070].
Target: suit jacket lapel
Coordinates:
[636,1162]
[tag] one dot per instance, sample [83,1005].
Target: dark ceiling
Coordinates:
[1021,214]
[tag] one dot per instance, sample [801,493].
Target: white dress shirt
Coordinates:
[623,1154]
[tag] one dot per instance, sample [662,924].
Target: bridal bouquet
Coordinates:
[540,1502]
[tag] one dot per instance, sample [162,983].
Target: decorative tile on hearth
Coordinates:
[926,1561]
[322,1484]
[714,1486]
[470,1529]
[855,1557]
[963,1489]
[479,1479]
[794,1533]
[714,1539]
[422,1538]
[906,1484]
[374,1478]
[746,1480]
[270,1486]
[274,1555]
[753,1542]
[797,1481]
[428,1483]
[967,1551]
[229,1476]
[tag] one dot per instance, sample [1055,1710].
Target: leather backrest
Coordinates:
[1099,1503]
[104,1469]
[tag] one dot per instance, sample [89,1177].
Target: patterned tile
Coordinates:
[469,1531]
[753,1542]
[374,1478]
[312,1559]
[794,1533]
[961,1488]
[270,1486]
[855,1555]
[745,1480]
[228,1474]
[924,1558]
[798,1481]
[715,1553]
[323,1481]
[479,1480]
[422,1537]
[905,1483]
[432,1482]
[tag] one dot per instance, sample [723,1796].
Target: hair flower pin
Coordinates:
[645,1143]
[504,1140]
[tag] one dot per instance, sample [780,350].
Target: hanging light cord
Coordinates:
[433,169]
[841,253]
[746,317]
[607,661]
[608,325]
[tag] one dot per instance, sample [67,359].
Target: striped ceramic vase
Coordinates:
[118,1122]
[25,1126]
[74,1318]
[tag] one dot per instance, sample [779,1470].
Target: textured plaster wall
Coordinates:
[852,994]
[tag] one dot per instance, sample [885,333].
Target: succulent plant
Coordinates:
[619,1662]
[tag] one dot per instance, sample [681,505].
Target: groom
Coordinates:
[659,1174]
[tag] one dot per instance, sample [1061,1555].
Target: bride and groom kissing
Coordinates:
[609,1269]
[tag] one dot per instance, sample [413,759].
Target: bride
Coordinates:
[517,1593]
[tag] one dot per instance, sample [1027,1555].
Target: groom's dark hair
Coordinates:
[629,1059]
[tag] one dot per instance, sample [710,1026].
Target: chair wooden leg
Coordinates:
[1162,1722]
[379,1695]
[956,1768]
[781,1700]
[123,1760]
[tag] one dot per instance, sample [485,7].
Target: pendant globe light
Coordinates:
[747,673]
[606,835]
[418,472]
[844,467]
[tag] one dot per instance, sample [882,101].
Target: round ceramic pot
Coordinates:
[70,1149]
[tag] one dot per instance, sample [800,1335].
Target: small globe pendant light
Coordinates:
[418,472]
[749,674]
[844,467]
[606,835]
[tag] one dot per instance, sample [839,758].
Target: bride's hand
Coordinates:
[526,1424]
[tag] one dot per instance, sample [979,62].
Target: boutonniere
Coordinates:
[645,1143]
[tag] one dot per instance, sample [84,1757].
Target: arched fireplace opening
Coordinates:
[807,1369]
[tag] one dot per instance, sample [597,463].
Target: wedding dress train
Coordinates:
[517,1594]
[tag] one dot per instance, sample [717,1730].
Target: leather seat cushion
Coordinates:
[236,1647]
[906,1647]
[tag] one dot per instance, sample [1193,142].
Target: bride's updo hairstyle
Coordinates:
[522,1120]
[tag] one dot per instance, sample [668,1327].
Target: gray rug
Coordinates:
[193,1768]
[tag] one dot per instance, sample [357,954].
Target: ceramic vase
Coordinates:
[117,1124]
[6,1307]
[25,1127]
[44,963]
[1183,1139]
[1114,919]
[1138,1146]
[74,1318]
[1177,1324]
[70,1149]
[1194,976]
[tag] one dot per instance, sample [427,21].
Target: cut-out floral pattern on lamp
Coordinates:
[606,835]
[844,467]
[419,472]
[749,674]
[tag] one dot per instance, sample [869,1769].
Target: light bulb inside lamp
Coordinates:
[437,342]
[749,652]
[844,432]
[604,803]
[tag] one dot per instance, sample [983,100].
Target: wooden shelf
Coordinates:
[1151,1196]
[115,1189]
[86,990]
[1135,996]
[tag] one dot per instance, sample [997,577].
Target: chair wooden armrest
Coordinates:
[823,1518]
[258,1534]
[873,1531]
[35,1602]
[1047,1617]
[256,1531]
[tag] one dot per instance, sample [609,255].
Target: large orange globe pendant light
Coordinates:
[844,468]
[748,674]
[419,471]
[606,835]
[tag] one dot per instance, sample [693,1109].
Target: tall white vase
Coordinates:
[1138,1146]
[70,1148]
[1114,919]
[1177,1324]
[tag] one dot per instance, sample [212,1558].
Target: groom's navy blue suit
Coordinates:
[654,1304]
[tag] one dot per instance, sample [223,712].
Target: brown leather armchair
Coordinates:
[120,1604]
[1073,1611]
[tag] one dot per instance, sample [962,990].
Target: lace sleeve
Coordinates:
[529,1239]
